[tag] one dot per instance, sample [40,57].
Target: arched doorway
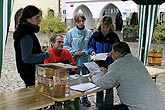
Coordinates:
[51,12]
[119,22]
[112,11]
[134,19]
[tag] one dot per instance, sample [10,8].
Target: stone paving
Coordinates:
[10,79]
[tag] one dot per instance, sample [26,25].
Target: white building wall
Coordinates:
[96,8]
[41,4]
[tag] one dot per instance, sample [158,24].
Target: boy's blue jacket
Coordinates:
[73,40]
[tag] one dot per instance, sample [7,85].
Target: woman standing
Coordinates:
[27,48]
[101,42]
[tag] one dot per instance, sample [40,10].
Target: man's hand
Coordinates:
[93,53]
[79,53]
[91,75]
[103,69]
[109,54]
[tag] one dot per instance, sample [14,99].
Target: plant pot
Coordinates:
[155,58]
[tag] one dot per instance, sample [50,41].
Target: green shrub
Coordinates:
[158,35]
[130,31]
[159,32]
[52,24]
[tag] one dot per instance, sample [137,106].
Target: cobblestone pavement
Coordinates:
[10,79]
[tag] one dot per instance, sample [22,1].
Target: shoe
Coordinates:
[52,107]
[86,103]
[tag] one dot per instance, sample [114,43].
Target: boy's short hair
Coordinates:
[79,15]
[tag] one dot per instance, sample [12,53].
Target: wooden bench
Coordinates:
[154,72]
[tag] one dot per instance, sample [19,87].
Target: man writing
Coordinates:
[136,89]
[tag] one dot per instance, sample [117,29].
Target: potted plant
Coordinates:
[156,52]
[130,33]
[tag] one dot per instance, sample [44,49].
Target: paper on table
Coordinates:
[84,87]
[99,56]
[93,68]
[95,88]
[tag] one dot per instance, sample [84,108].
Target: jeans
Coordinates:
[106,102]
[83,71]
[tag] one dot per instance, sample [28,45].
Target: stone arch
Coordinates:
[111,10]
[17,16]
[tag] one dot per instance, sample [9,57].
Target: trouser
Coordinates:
[83,71]
[121,107]
[102,102]
[29,79]
[116,107]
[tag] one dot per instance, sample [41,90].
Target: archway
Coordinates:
[118,22]
[134,19]
[112,11]
[50,12]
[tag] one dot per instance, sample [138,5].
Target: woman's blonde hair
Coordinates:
[107,21]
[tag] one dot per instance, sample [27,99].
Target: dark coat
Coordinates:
[25,69]
[103,44]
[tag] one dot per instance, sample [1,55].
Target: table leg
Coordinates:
[67,105]
[77,103]
[154,77]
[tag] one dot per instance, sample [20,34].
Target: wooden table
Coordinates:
[23,99]
[73,95]
[154,72]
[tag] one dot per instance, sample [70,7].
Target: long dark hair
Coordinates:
[28,12]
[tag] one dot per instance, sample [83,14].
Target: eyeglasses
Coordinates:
[60,42]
